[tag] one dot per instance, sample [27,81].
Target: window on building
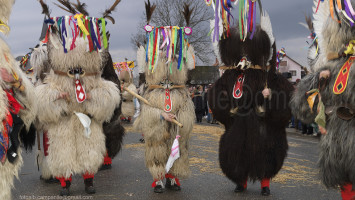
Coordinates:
[283,63]
[293,72]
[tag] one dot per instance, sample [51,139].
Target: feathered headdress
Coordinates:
[159,37]
[69,28]
[223,15]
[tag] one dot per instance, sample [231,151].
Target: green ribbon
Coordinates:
[151,49]
[209,33]
[240,19]
[320,118]
[103,26]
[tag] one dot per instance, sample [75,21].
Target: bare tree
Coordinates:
[169,13]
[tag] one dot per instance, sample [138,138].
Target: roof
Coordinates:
[295,61]
[203,75]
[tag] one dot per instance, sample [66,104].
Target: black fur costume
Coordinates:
[254,145]
[113,130]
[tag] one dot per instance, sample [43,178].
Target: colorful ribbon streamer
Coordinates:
[72,27]
[170,36]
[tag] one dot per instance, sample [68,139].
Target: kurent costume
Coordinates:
[166,75]
[74,100]
[17,110]
[39,61]
[113,129]
[326,96]
[250,100]
[124,73]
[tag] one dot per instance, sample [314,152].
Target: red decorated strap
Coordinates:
[343,76]
[79,91]
[238,87]
[15,106]
[168,102]
[45,143]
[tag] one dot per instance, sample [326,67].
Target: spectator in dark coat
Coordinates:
[199,105]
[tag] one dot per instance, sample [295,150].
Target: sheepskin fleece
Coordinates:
[160,134]
[5,10]
[128,109]
[70,152]
[337,147]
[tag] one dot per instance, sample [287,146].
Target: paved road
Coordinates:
[129,179]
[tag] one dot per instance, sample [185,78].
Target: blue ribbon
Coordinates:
[146,49]
[93,35]
[64,31]
[180,52]
[216,25]
[49,21]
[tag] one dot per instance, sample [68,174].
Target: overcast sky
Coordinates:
[26,24]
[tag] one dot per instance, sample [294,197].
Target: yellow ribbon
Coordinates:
[350,48]
[81,24]
[6,26]
[312,98]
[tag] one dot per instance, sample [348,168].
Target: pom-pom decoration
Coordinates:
[123,66]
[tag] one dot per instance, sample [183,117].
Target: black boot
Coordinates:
[65,190]
[14,138]
[89,186]
[105,167]
[265,191]
[172,185]
[49,180]
[159,188]
[239,188]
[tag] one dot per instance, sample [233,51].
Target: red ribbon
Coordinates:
[91,44]
[343,76]
[168,103]
[15,106]
[79,91]
[238,87]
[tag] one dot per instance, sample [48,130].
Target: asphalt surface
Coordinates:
[130,179]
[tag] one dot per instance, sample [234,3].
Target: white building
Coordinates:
[295,70]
